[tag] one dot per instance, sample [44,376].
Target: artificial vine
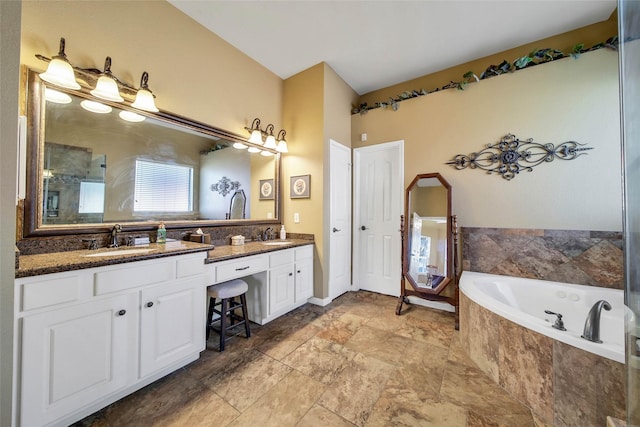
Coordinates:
[534,58]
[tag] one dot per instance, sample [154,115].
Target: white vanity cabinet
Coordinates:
[88,337]
[279,281]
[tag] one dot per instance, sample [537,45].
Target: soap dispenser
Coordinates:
[162,234]
[283,233]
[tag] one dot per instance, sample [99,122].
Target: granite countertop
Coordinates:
[55,262]
[222,253]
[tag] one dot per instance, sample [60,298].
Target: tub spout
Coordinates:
[592,324]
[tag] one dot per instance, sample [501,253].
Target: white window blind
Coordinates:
[162,187]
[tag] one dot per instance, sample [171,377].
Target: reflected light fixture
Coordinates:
[56,96]
[239,145]
[266,153]
[107,87]
[95,107]
[130,116]
[255,131]
[144,97]
[271,140]
[282,143]
[60,72]
[253,149]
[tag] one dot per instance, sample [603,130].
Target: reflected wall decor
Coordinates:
[511,156]
[266,189]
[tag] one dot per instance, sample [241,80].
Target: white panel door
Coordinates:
[378,205]
[74,356]
[172,324]
[340,220]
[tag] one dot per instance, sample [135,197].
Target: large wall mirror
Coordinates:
[428,248]
[91,168]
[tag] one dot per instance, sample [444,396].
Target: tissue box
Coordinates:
[200,238]
[237,240]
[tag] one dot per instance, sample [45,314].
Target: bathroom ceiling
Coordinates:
[375,44]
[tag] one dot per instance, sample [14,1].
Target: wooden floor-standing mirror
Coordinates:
[429,243]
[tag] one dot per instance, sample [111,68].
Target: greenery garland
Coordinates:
[534,58]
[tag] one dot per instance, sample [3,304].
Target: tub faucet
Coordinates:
[592,324]
[558,324]
[114,235]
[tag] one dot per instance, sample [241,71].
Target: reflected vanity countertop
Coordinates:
[222,253]
[56,262]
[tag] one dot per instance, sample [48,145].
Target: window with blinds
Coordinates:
[163,187]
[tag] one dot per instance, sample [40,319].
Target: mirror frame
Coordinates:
[450,277]
[33,88]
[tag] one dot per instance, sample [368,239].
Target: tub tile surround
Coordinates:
[563,385]
[592,258]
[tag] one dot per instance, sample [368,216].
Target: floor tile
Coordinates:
[320,359]
[355,391]
[319,416]
[382,345]
[427,331]
[342,328]
[413,412]
[284,405]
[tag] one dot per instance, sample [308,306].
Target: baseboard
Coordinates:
[432,304]
[320,301]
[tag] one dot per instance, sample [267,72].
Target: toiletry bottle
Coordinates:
[283,233]
[162,234]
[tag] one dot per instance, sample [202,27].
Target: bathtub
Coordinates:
[524,301]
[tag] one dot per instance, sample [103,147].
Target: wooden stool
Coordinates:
[226,292]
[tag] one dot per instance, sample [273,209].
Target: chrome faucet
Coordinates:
[114,235]
[268,234]
[592,324]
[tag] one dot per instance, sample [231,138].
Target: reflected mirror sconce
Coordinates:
[61,72]
[511,156]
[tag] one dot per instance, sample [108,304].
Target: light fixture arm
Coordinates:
[144,81]
[61,54]
[281,135]
[269,129]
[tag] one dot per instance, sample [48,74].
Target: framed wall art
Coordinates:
[300,187]
[266,189]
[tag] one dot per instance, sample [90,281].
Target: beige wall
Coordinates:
[551,103]
[9,76]
[192,71]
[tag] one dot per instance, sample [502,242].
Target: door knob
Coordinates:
[149,304]
[363,228]
[122,312]
[335,230]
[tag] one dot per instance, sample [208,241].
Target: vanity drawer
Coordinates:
[280,258]
[51,291]
[119,279]
[190,266]
[305,252]
[243,267]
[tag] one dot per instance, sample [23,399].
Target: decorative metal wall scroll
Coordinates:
[511,156]
[225,186]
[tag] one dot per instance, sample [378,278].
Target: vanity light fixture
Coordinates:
[56,96]
[144,97]
[240,145]
[253,149]
[95,107]
[270,142]
[266,153]
[130,116]
[60,72]
[282,143]
[107,87]
[255,131]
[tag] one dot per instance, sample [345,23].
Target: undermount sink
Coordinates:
[277,243]
[121,252]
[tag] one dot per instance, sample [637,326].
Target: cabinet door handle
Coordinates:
[121,312]
[335,230]
[363,228]
[242,268]
[298,271]
[290,274]
[149,304]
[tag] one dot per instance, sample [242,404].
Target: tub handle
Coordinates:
[558,324]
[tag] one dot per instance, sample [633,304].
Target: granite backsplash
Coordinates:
[581,257]
[219,236]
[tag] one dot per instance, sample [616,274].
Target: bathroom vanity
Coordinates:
[117,320]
